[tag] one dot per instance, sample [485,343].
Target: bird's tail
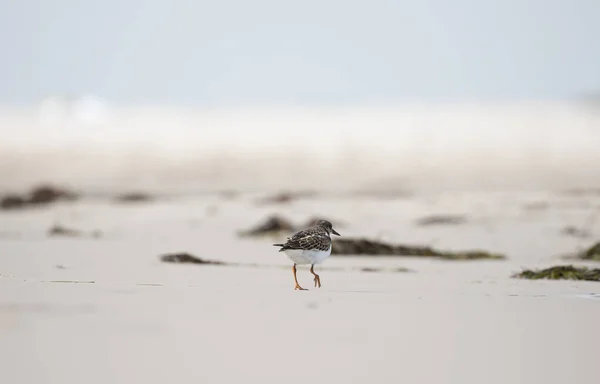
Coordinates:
[280,245]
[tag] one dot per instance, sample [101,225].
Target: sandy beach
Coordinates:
[152,154]
[106,309]
[85,296]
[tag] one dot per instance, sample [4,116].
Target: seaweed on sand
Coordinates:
[272,225]
[592,253]
[12,202]
[277,226]
[362,246]
[40,195]
[183,257]
[561,272]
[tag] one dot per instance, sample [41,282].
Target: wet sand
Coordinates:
[98,310]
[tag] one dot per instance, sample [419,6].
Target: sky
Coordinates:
[240,52]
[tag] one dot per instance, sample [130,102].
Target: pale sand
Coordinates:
[143,321]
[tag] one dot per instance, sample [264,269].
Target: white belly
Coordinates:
[299,256]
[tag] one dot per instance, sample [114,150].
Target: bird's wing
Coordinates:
[308,240]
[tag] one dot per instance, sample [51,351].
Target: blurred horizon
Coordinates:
[144,94]
[234,53]
[378,148]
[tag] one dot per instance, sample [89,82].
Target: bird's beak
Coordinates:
[334,232]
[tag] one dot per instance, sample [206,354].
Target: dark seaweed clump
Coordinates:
[181,258]
[272,225]
[361,246]
[38,196]
[592,253]
[562,272]
[275,226]
[12,202]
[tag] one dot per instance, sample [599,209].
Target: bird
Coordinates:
[309,246]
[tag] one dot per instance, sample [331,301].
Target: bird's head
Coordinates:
[327,226]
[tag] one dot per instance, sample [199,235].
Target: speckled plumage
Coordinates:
[313,238]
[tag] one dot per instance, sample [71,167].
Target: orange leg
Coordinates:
[317,279]
[297,287]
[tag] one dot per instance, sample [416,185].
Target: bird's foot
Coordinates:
[299,288]
[317,281]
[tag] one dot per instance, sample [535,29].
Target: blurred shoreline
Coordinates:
[454,146]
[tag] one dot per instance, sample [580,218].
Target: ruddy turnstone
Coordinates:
[309,246]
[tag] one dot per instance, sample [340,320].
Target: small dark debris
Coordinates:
[575,232]
[41,195]
[279,199]
[272,225]
[187,258]
[563,272]
[286,197]
[59,230]
[442,220]
[134,197]
[361,246]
